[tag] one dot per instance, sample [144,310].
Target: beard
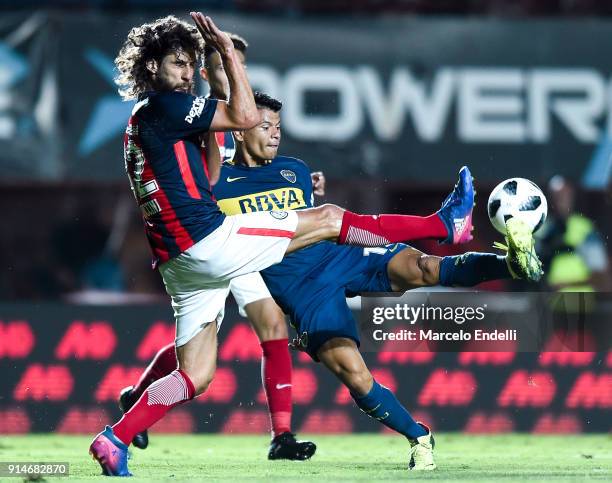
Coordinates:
[164,85]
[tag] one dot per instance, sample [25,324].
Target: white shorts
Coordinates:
[247,289]
[198,280]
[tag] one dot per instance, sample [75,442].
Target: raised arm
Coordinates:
[213,157]
[240,111]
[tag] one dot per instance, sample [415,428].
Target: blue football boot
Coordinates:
[456,211]
[111,453]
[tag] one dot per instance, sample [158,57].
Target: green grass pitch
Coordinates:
[367,457]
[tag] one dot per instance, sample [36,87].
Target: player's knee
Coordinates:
[274,328]
[267,319]
[429,267]
[330,218]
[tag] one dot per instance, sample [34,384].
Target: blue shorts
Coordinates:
[319,311]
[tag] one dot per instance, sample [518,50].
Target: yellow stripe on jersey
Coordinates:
[278,199]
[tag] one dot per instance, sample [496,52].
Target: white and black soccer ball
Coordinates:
[517,197]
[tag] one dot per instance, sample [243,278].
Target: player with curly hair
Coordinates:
[256,304]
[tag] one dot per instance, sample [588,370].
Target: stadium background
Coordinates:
[388,106]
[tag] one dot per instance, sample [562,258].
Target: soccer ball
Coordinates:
[517,197]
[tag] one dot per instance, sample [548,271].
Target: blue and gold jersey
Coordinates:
[284,184]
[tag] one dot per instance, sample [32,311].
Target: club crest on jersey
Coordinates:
[289,175]
[279,215]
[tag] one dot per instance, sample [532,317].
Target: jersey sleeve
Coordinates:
[182,115]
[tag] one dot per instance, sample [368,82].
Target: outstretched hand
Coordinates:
[212,35]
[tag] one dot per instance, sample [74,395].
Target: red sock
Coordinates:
[276,368]
[157,400]
[162,364]
[376,230]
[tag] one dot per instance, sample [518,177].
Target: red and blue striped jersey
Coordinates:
[167,170]
[227,145]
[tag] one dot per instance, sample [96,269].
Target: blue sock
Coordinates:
[472,268]
[381,404]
